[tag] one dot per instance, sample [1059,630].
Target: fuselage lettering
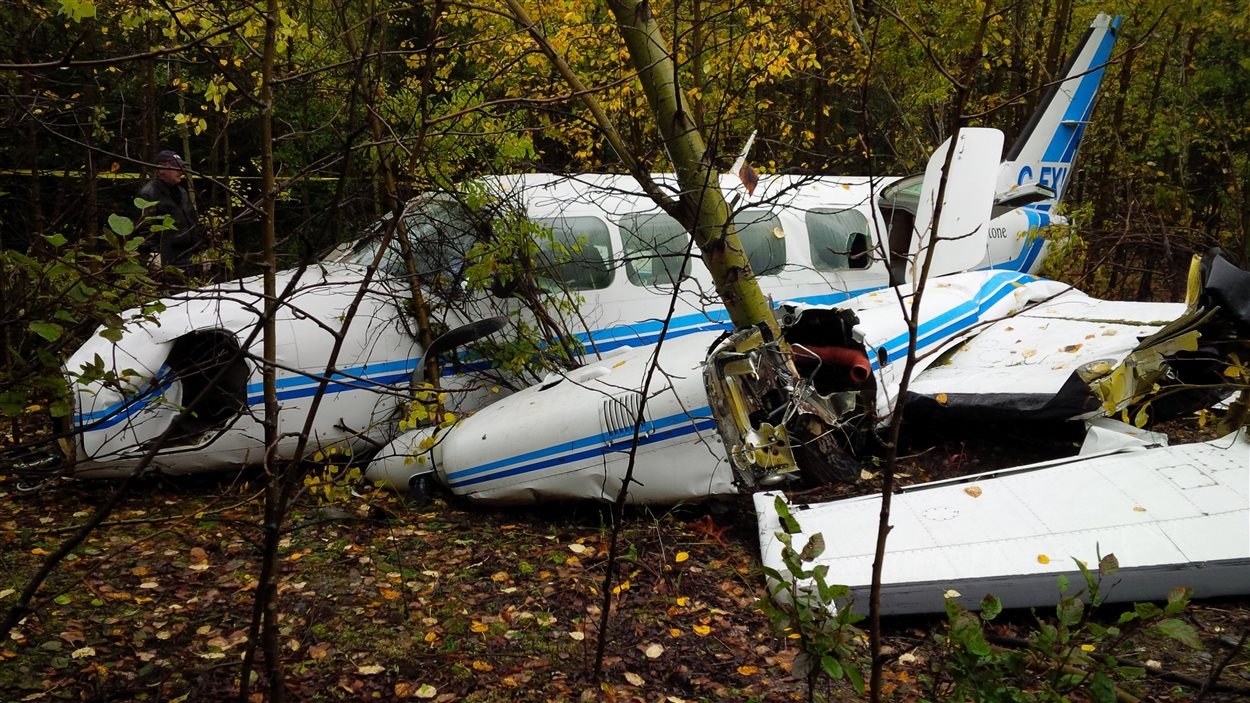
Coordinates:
[1053,177]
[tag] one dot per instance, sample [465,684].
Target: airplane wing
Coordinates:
[1172,516]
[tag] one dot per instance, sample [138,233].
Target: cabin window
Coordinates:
[763,239]
[831,234]
[655,248]
[579,252]
[441,234]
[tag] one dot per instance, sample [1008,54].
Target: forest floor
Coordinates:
[385,600]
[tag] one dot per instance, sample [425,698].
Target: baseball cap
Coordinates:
[168,156]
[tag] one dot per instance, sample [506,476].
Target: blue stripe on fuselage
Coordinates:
[652,432]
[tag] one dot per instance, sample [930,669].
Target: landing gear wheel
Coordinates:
[419,489]
[821,458]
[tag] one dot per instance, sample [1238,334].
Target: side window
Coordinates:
[579,252]
[655,249]
[441,234]
[763,240]
[830,233]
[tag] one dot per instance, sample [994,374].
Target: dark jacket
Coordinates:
[176,245]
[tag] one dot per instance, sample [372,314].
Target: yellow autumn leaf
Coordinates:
[702,630]
[634,679]
[479,665]
[681,556]
[479,627]
[1087,648]
[683,601]
[1043,559]
[940,398]
[747,670]
[974,491]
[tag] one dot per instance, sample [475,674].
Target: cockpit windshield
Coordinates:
[439,231]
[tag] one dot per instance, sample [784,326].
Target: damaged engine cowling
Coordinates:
[784,414]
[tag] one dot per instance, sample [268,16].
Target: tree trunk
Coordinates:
[264,624]
[701,207]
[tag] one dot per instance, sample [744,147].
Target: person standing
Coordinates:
[178,243]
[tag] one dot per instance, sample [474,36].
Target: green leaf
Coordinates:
[966,630]
[1070,611]
[1108,565]
[63,599]
[129,268]
[990,607]
[1130,673]
[788,523]
[1091,581]
[1102,688]
[144,204]
[1178,599]
[814,547]
[77,10]
[1180,631]
[112,334]
[121,225]
[837,591]
[56,240]
[831,667]
[48,330]
[857,680]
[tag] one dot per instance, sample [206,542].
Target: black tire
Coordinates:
[420,489]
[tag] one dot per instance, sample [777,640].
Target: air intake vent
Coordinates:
[619,414]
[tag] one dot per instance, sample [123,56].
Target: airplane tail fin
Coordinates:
[1040,162]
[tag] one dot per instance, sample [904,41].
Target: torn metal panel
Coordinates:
[1039,363]
[1173,516]
[201,342]
[1105,435]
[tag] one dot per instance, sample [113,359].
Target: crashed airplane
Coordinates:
[723,414]
[812,241]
